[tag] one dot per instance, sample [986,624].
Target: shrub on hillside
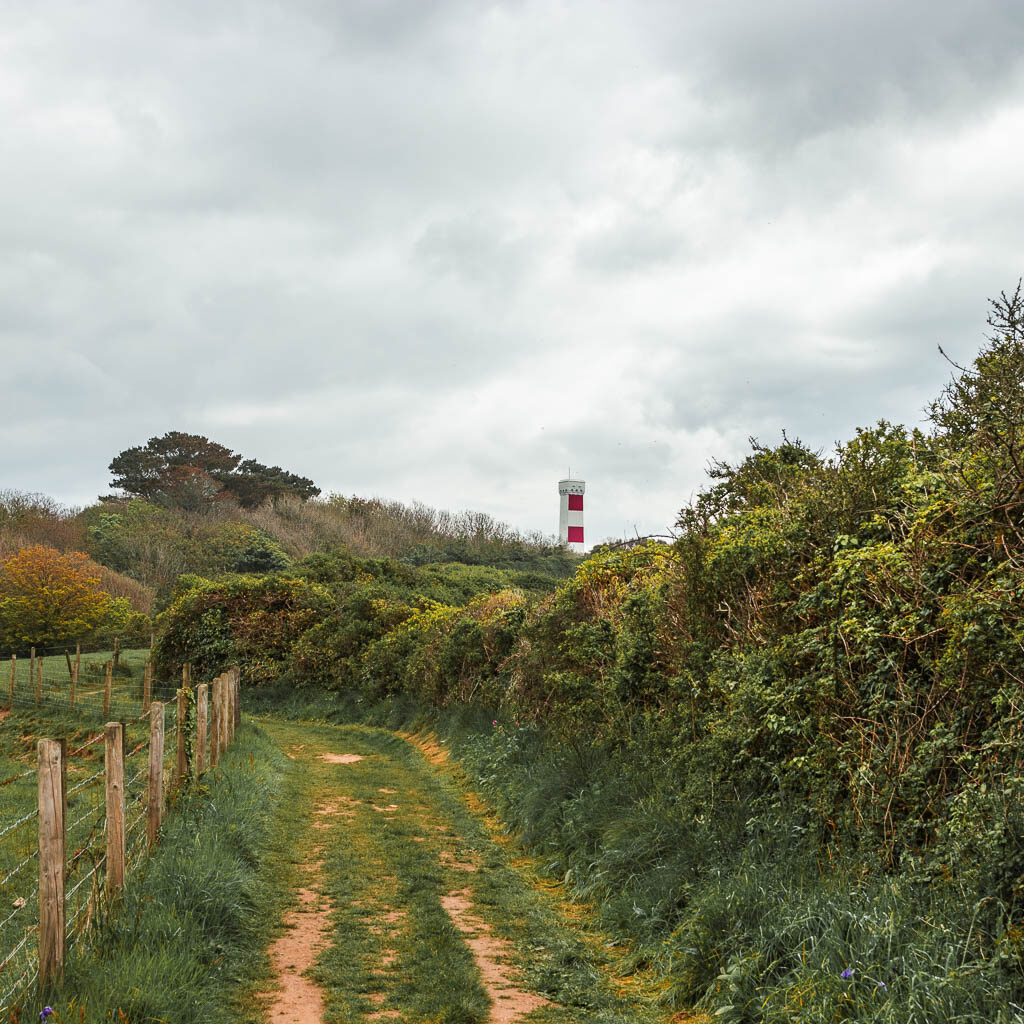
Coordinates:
[443,654]
[238,548]
[29,519]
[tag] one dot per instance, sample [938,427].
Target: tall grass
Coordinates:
[188,927]
[756,918]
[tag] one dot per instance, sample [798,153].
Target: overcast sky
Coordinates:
[443,251]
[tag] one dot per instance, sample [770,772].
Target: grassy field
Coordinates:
[55,689]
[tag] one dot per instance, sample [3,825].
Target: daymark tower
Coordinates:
[570,514]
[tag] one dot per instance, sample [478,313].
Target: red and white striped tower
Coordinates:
[570,515]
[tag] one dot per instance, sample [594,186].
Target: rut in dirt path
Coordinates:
[299,1000]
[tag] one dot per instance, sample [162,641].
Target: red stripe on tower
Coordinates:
[575,502]
[575,534]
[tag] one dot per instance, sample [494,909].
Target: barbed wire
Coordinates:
[18,985]
[14,952]
[31,964]
[87,645]
[20,867]
[121,706]
[87,745]
[135,778]
[14,778]
[25,904]
[86,782]
[14,826]
[10,956]
[92,810]
[85,878]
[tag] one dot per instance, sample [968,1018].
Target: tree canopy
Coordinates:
[46,596]
[189,471]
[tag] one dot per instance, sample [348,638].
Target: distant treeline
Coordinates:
[141,547]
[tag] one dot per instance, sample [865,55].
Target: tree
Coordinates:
[177,469]
[253,484]
[191,472]
[46,597]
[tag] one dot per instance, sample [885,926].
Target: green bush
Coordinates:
[250,620]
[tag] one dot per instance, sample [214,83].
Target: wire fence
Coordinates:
[75,677]
[85,804]
[85,645]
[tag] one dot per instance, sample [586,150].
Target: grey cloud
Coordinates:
[780,72]
[632,245]
[316,231]
[474,250]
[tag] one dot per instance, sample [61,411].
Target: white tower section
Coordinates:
[570,514]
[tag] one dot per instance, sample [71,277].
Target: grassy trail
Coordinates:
[409,906]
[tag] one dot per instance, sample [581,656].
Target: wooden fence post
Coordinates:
[39,678]
[227,715]
[113,746]
[14,664]
[229,709]
[186,675]
[71,669]
[215,722]
[74,682]
[222,715]
[106,688]
[51,864]
[155,787]
[201,698]
[147,687]
[117,653]
[180,767]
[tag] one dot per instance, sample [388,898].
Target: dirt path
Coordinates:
[407,909]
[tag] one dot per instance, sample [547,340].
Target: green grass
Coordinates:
[184,941]
[740,917]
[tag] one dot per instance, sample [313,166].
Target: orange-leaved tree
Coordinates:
[46,596]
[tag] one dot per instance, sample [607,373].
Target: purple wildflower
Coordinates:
[848,973]
[45,1012]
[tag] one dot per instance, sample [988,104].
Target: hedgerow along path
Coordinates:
[410,905]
